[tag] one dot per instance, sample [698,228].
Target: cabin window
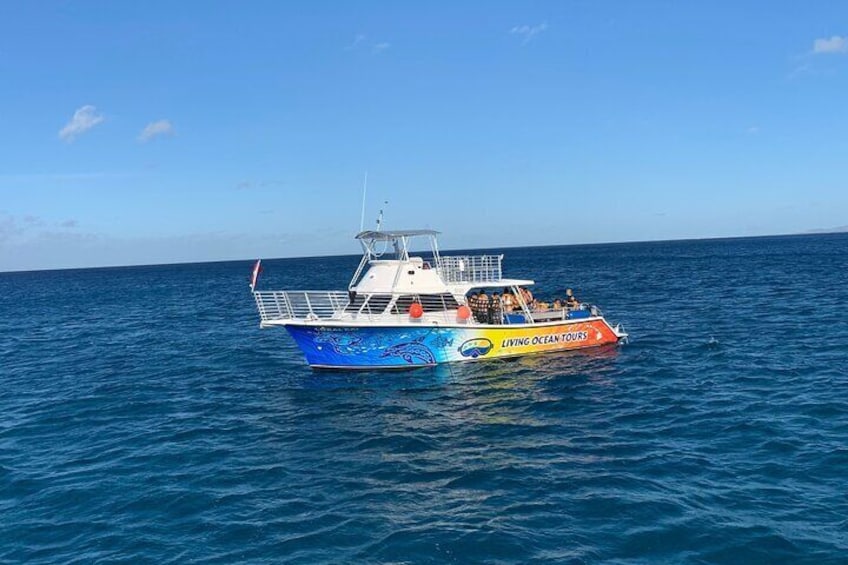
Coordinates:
[376,303]
[430,302]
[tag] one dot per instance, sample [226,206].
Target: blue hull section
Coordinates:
[365,347]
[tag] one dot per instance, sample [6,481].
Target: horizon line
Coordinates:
[174,263]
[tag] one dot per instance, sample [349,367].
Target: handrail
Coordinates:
[305,304]
[470,268]
[315,305]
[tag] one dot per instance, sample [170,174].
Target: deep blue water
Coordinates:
[145,418]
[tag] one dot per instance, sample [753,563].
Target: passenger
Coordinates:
[527,297]
[483,298]
[570,299]
[541,307]
[557,304]
[496,309]
[509,301]
[483,307]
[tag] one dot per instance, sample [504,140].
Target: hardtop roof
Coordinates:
[393,234]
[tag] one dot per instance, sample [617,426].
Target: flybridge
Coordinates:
[388,253]
[375,244]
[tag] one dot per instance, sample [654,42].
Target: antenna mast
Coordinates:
[380,217]
[362,215]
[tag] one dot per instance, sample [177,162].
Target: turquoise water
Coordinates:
[145,418]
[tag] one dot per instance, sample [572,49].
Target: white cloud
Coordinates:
[360,37]
[59,177]
[527,31]
[154,129]
[9,228]
[84,119]
[248,184]
[835,44]
[359,43]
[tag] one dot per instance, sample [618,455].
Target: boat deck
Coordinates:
[309,306]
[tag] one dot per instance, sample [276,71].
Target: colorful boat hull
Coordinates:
[364,347]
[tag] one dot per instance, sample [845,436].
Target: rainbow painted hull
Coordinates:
[406,346]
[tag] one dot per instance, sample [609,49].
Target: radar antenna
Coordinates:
[380,216]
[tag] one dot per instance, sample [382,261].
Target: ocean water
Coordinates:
[145,418]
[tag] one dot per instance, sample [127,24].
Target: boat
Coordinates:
[405,309]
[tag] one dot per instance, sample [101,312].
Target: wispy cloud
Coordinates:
[249,184]
[156,129]
[360,37]
[528,32]
[380,47]
[753,130]
[84,119]
[10,228]
[13,227]
[61,177]
[817,60]
[360,41]
[834,44]
[16,228]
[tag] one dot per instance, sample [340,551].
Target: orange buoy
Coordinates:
[416,310]
[463,312]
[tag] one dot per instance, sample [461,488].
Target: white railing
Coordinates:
[316,305]
[301,304]
[470,268]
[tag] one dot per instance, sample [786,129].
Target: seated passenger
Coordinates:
[482,312]
[557,304]
[508,301]
[570,299]
[496,309]
[541,307]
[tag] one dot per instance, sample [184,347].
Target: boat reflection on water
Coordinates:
[494,393]
[540,367]
[498,373]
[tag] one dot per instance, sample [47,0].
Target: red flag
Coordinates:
[254,276]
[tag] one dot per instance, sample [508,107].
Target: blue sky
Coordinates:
[187,131]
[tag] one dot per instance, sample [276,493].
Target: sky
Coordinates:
[159,132]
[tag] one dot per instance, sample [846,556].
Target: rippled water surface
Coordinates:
[144,417]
